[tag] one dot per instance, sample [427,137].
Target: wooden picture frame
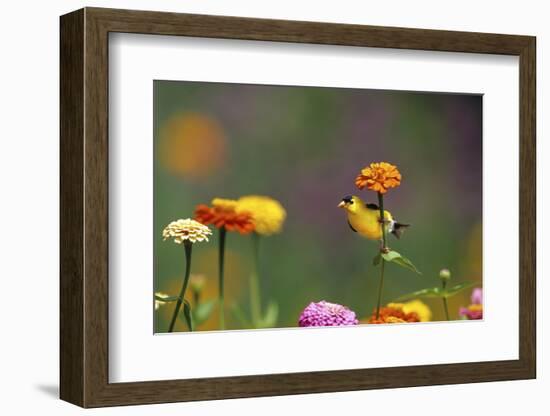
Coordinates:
[84,207]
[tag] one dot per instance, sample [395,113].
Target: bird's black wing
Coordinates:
[372,206]
[352,229]
[398,229]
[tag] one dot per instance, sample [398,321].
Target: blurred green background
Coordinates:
[304,146]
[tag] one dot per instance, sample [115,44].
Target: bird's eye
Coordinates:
[348,200]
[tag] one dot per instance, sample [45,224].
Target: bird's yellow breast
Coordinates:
[366,223]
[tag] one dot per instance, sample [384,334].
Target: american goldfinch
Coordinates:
[365,219]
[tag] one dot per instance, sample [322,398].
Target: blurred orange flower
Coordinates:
[391,315]
[379,177]
[192,145]
[223,214]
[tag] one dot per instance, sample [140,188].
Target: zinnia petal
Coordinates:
[378,177]
[327,314]
[222,214]
[187,229]
[393,314]
[268,215]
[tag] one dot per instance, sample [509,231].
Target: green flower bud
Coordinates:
[445,274]
[197,282]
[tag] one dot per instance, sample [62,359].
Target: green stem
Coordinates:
[188,247]
[255,297]
[382,218]
[221,258]
[445,306]
[188,316]
[380,285]
[383,262]
[446,309]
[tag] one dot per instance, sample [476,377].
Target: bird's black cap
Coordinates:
[348,199]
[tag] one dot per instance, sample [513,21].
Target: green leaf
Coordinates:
[166,298]
[390,255]
[376,260]
[395,257]
[407,264]
[432,292]
[270,318]
[188,315]
[202,312]
[458,288]
[239,314]
[437,292]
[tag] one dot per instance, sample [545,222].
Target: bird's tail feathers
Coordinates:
[398,229]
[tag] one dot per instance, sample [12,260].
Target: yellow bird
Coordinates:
[365,219]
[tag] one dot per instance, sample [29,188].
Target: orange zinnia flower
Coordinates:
[379,177]
[223,214]
[389,315]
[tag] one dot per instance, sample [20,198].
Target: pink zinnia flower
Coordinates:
[327,314]
[475,310]
[477,296]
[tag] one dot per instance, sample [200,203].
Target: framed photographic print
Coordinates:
[256,207]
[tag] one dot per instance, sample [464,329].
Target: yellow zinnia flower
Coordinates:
[379,177]
[224,204]
[268,214]
[416,306]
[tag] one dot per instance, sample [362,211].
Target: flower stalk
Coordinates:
[255,295]
[268,217]
[186,232]
[196,298]
[380,286]
[445,276]
[221,262]
[380,177]
[188,249]
[445,306]
[383,249]
[223,214]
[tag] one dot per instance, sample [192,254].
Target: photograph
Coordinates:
[282,206]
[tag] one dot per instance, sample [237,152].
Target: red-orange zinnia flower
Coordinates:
[379,177]
[222,215]
[389,315]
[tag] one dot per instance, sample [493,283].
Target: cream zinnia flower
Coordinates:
[187,229]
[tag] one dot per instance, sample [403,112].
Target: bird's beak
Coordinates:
[341,204]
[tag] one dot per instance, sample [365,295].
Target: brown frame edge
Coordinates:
[84,207]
